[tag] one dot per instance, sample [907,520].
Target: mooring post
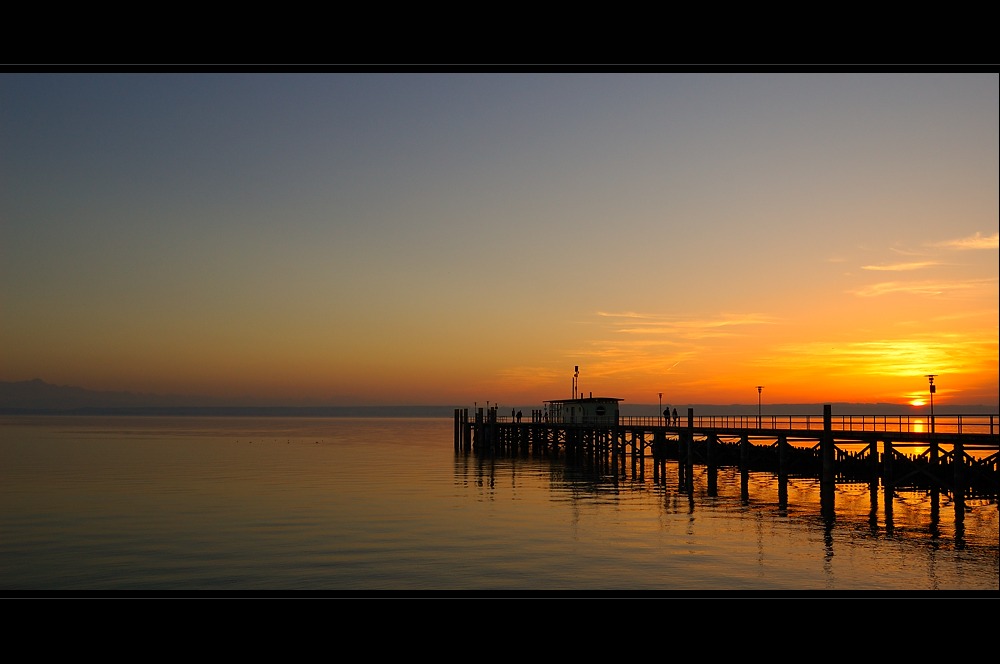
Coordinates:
[935,485]
[681,462]
[826,444]
[826,448]
[887,465]
[661,454]
[689,456]
[614,446]
[873,469]
[656,455]
[745,467]
[491,431]
[710,441]
[958,463]
[635,453]
[467,431]
[622,449]
[713,473]
[457,431]
[783,471]
[478,443]
[642,457]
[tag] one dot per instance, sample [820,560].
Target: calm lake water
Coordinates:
[368,504]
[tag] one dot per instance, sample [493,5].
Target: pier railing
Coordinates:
[971,424]
[981,424]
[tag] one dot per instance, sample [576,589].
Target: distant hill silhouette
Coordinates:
[37,394]
[38,397]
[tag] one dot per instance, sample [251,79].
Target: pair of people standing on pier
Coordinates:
[515,417]
[666,416]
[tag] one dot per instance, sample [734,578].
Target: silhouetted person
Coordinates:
[518,417]
[677,418]
[666,415]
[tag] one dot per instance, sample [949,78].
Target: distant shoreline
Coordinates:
[244,411]
[627,410]
[36,397]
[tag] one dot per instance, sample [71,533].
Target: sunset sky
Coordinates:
[439,239]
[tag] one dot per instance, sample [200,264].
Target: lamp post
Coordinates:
[930,379]
[660,411]
[759,388]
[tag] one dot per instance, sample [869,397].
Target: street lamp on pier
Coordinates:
[759,388]
[930,379]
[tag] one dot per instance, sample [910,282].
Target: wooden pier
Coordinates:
[956,454]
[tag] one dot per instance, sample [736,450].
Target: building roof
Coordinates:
[587,400]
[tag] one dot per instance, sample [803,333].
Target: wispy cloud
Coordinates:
[684,328]
[920,287]
[901,266]
[968,314]
[638,343]
[907,253]
[951,353]
[976,241]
